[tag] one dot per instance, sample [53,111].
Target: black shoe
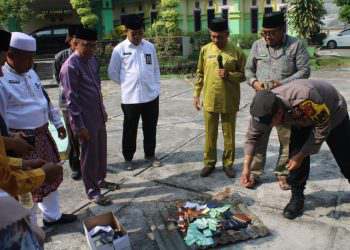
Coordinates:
[206,171]
[229,172]
[295,206]
[76,175]
[65,218]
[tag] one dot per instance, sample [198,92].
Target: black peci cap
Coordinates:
[134,22]
[5,40]
[263,106]
[218,24]
[273,20]
[86,34]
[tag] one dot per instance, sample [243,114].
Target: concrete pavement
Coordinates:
[326,221]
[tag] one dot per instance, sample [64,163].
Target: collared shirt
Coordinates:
[136,69]
[24,103]
[60,58]
[220,95]
[82,88]
[288,62]
[13,179]
[321,105]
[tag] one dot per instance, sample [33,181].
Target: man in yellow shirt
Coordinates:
[220,71]
[19,176]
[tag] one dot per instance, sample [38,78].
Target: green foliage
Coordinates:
[305,16]
[167,22]
[16,9]
[83,8]
[245,41]
[344,12]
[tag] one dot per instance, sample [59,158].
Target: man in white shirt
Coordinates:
[134,65]
[28,110]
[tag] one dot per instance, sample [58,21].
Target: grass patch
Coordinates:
[329,62]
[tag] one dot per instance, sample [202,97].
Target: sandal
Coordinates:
[102,200]
[282,182]
[109,185]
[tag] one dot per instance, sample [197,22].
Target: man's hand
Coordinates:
[52,172]
[84,135]
[258,85]
[275,84]
[197,103]
[33,164]
[62,133]
[18,145]
[295,162]
[247,180]
[222,73]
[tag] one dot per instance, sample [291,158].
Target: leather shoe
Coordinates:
[294,207]
[65,218]
[229,172]
[206,171]
[76,175]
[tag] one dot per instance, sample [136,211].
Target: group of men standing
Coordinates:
[305,112]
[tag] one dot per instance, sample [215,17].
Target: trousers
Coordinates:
[259,159]
[149,113]
[338,142]
[50,208]
[73,145]
[228,123]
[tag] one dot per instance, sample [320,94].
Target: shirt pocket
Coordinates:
[288,65]
[231,63]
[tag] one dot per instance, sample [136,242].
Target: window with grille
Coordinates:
[197,20]
[254,15]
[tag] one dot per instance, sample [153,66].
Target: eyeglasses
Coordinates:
[89,44]
[271,33]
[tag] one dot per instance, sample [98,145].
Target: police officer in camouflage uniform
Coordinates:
[317,112]
[275,59]
[219,74]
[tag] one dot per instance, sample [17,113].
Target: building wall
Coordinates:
[110,12]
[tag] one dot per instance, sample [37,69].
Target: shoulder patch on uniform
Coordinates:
[319,113]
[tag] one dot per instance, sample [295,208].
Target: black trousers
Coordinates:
[74,146]
[149,113]
[338,141]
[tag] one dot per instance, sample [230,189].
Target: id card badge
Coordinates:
[148,58]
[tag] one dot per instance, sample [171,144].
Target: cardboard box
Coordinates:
[122,243]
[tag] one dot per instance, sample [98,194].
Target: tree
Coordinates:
[344,12]
[17,10]
[304,16]
[83,8]
[168,20]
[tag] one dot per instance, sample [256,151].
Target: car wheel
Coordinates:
[331,45]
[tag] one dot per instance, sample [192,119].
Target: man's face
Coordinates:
[273,36]
[20,61]
[135,36]
[85,48]
[71,43]
[219,38]
[3,55]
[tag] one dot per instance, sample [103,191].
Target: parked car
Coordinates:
[342,39]
[51,40]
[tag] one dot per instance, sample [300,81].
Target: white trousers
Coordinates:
[50,208]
